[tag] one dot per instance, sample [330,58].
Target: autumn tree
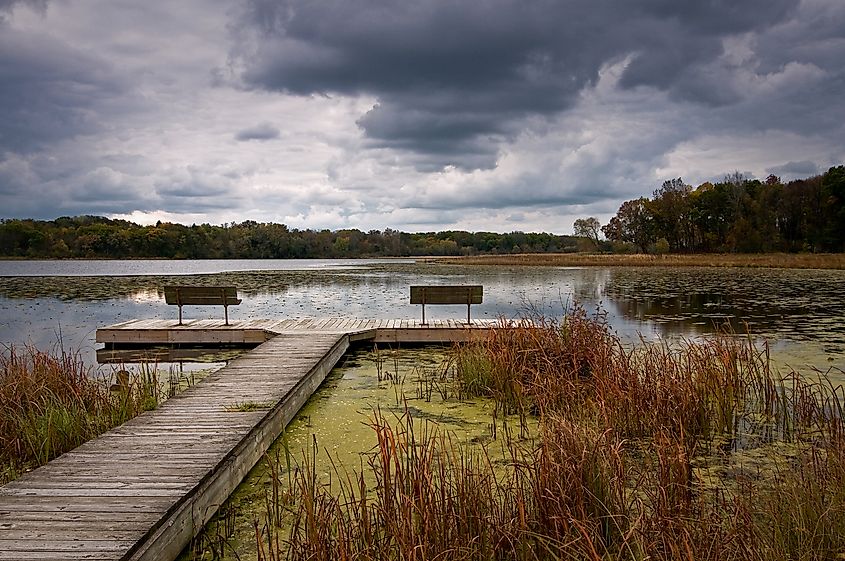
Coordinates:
[588,228]
[833,194]
[670,209]
[633,224]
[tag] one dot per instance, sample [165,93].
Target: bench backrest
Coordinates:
[201,295]
[457,294]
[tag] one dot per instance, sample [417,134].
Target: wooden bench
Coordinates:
[445,294]
[202,296]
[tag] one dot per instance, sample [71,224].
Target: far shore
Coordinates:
[747,260]
[751,260]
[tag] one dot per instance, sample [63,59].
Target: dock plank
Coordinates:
[142,490]
[172,466]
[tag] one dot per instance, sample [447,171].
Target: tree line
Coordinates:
[100,237]
[736,215]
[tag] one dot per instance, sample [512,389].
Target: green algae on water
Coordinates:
[334,430]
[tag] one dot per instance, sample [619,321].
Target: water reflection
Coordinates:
[800,309]
[167,355]
[799,305]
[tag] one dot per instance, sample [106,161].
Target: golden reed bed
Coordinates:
[766,260]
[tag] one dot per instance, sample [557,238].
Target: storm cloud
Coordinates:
[263,131]
[500,115]
[49,91]
[456,79]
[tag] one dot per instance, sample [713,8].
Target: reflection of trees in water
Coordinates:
[678,301]
[248,283]
[797,304]
[135,287]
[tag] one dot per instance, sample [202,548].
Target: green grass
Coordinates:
[52,403]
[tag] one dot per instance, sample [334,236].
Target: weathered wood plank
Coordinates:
[71,534]
[159,463]
[88,546]
[162,475]
[64,518]
[447,294]
[12,504]
[78,490]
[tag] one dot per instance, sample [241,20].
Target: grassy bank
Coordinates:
[699,451]
[764,260]
[52,403]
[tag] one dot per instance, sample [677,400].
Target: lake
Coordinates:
[800,312]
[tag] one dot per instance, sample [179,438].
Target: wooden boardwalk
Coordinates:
[144,489]
[209,332]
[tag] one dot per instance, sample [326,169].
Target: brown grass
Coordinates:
[51,403]
[765,260]
[612,475]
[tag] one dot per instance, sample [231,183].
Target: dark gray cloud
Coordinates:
[454,79]
[263,131]
[792,170]
[500,114]
[50,91]
[7,7]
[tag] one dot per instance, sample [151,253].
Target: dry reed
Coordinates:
[51,403]
[614,473]
[754,260]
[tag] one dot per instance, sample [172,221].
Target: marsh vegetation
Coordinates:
[52,402]
[742,260]
[594,449]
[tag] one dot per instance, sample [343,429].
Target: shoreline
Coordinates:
[739,260]
[835,261]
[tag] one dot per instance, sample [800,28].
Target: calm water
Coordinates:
[800,312]
[338,419]
[159,267]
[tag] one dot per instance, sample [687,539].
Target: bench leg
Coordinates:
[180,314]
[469,321]
[226,313]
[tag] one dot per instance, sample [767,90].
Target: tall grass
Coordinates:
[52,403]
[617,471]
[753,260]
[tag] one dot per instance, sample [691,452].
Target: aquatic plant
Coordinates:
[622,466]
[753,260]
[52,403]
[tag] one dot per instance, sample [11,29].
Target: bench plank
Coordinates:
[202,296]
[454,294]
[447,294]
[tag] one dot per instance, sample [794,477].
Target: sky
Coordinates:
[497,115]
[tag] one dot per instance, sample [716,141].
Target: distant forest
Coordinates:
[737,215]
[98,237]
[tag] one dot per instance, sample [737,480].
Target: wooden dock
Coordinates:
[215,332]
[143,490]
